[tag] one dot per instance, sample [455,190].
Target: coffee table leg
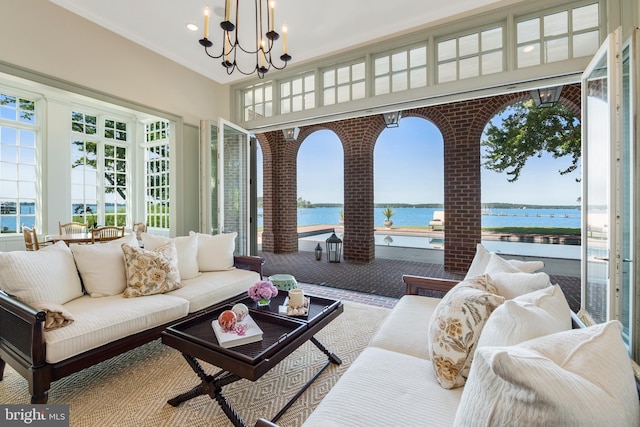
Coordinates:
[332,357]
[211,385]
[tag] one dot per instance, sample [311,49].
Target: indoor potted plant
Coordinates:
[388,213]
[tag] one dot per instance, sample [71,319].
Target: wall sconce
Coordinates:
[392,120]
[546,97]
[290,134]
[334,248]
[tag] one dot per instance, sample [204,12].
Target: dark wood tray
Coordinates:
[317,306]
[277,331]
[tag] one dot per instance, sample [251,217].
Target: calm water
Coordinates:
[422,216]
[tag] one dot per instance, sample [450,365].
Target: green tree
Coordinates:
[528,131]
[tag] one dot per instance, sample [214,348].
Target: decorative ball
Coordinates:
[227,320]
[240,310]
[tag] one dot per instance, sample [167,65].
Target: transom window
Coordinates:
[156,159]
[298,94]
[400,70]
[470,55]
[343,83]
[18,163]
[99,170]
[258,101]
[558,36]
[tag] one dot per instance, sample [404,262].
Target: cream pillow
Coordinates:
[187,248]
[527,317]
[215,252]
[101,266]
[581,377]
[455,327]
[511,282]
[151,271]
[482,257]
[48,274]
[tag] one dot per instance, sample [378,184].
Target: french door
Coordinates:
[225,181]
[611,196]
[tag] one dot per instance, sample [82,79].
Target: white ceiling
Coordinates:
[316,28]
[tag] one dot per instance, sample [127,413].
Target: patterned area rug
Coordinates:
[133,388]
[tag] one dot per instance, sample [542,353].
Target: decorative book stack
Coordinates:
[244,332]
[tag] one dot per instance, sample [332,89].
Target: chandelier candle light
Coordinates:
[258,47]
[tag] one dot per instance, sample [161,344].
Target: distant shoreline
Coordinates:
[441,206]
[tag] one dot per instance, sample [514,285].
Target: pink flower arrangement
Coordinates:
[263,290]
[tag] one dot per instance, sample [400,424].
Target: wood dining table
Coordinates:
[78,238]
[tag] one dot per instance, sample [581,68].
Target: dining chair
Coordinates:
[108,232]
[72,227]
[31,238]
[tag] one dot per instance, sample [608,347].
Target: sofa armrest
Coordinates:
[247,262]
[265,423]
[21,331]
[418,285]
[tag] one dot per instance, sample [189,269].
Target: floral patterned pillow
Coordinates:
[455,328]
[151,271]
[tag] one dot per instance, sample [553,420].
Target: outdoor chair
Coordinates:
[438,221]
[108,232]
[72,227]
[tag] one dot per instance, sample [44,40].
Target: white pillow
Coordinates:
[581,377]
[511,282]
[527,317]
[45,275]
[187,248]
[482,257]
[101,266]
[215,253]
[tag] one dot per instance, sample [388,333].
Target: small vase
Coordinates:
[263,302]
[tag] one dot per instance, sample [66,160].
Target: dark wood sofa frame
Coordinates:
[22,342]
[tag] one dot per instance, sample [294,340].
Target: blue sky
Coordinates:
[408,168]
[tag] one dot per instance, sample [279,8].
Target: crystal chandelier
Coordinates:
[257,45]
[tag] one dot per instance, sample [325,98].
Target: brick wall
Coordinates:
[461,125]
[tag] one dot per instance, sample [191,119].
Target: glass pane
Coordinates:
[468,45]
[296,86]
[381,85]
[329,96]
[357,90]
[296,103]
[357,71]
[492,39]
[469,68]
[556,24]
[309,83]
[285,89]
[309,100]
[585,44]
[557,50]
[528,30]
[329,78]
[343,93]
[492,63]
[236,186]
[627,217]
[585,17]
[399,61]
[529,55]
[447,50]
[343,75]
[381,65]
[418,77]
[268,93]
[284,106]
[399,81]
[418,56]
[447,72]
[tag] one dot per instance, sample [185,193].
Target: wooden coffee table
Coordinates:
[282,335]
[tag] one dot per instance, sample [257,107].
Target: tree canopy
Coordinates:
[528,131]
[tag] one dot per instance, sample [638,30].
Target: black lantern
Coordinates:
[318,252]
[334,248]
[546,97]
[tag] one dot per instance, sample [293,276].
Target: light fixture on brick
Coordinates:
[291,134]
[254,55]
[546,97]
[392,119]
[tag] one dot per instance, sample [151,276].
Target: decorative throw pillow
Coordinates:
[187,248]
[456,325]
[45,275]
[511,282]
[215,253]
[56,315]
[580,377]
[101,266]
[527,317]
[151,271]
[482,257]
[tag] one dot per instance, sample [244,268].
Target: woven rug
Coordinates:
[132,389]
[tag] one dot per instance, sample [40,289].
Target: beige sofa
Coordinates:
[83,289]
[580,376]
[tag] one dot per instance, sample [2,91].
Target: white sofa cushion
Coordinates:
[527,317]
[48,274]
[215,253]
[215,286]
[386,388]
[101,266]
[581,377]
[456,325]
[99,321]
[187,248]
[511,282]
[404,330]
[482,257]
